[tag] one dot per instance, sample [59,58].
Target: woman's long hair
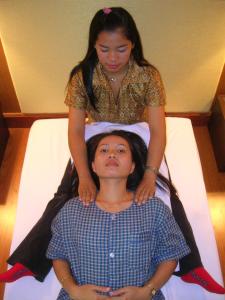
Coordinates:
[117,18]
[139,156]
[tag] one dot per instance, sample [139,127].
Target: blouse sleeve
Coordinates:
[155,93]
[171,244]
[76,95]
[56,249]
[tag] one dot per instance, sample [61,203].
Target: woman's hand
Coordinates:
[146,188]
[131,293]
[86,190]
[88,292]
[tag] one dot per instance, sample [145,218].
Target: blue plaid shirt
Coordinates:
[115,250]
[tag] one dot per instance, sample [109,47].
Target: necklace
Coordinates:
[118,78]
[113,79]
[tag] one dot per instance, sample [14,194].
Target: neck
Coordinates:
[121,72]
[113,191]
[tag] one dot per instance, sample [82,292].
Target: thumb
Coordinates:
[118,292]
[101,289]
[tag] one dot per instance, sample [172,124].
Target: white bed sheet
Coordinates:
[46,156]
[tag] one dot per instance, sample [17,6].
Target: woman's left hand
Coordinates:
[146,188]
[131,293]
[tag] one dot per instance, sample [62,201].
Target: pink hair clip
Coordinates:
[107,10]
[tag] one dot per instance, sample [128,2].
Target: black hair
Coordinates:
[117,18]
[139,156]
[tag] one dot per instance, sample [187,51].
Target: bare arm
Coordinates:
[75,291]
[160,277]
[77,145]
[156,148]
[163,272]
[63,274]
[157,127]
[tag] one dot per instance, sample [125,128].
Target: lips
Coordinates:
[112,66]
[112,162]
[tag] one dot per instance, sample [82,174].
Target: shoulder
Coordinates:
[152,73]
[155,204]
[77,77]
[71,207]
[146,73]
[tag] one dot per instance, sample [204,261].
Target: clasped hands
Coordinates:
[92,292]
[145,190]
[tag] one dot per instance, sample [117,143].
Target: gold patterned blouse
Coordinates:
[141,87]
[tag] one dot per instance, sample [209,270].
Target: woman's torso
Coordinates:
[113,250]
[141,86]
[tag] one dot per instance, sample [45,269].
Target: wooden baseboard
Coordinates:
[197,119]
[20,120]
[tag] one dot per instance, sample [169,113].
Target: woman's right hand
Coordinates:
[87,190]
[88,292]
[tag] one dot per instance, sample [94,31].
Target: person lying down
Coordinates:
[115,247]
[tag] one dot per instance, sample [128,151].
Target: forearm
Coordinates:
[78,151]
[63,273]
[157,127]
[156,148]
[77,145]
[163,272]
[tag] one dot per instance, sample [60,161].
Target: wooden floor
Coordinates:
[10,177]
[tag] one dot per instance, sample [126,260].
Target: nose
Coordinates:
[112,154]
[112,56]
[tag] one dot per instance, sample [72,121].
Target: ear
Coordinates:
[93,167]
[132,168]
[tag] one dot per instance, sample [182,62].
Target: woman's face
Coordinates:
[113,50]
[113,158]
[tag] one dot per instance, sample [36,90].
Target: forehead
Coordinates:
[114,140]
[112,37]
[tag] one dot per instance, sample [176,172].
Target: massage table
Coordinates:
[45,160]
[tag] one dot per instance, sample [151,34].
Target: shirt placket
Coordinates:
[112,251]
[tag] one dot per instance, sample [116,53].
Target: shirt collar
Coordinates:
[130,77]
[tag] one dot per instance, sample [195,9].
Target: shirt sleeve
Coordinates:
[155,93]
[171,244]
[76,95]
[56,249]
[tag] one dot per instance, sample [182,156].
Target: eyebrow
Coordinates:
[121,46]
[108,145]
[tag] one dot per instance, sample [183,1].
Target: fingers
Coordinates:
[143,194]
[118,293]
[101,289]
[87,195]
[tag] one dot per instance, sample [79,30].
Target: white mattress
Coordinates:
[45,161]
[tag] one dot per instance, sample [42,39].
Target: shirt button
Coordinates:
[112,255]
[113,217]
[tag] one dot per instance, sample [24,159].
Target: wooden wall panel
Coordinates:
[4,135]
[221,87]
[8,96]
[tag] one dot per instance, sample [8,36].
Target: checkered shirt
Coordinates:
[115,250]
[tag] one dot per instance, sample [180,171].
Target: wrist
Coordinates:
[150,176]
[84,176]
[151,290]
[73,291]
[69,285]
[151,169]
